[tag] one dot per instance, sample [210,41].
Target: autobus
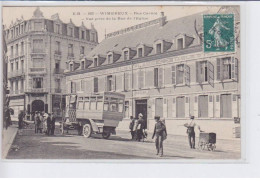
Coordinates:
[94,113]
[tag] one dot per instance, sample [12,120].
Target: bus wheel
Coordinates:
[105,135]
[87,130]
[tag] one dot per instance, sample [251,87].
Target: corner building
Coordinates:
[38,50]
[162,69]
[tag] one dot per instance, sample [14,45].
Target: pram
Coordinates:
[207,140]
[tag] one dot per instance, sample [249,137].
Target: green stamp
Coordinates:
[219,33]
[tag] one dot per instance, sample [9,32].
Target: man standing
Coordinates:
[191,132]
[140,127]
[53,119]
[131,127]
[49,124]
[158,132]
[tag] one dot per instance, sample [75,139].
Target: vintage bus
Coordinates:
[93,114]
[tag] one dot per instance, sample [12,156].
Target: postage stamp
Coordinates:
[219,33]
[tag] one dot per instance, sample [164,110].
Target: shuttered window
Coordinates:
[95,84]
[173,74]
[141,79]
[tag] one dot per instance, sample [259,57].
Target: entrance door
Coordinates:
[225,106]
[37,105]
[159,107]
[180,105]
[141,107]
[203,106]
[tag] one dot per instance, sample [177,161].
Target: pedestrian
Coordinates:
[40,125]
[53,119]
[131,127]
[20,120]
[191,132]
[44,115]
[140,127]
[35,121]
[158,133]
[49,124]
[164,133]
[38,121]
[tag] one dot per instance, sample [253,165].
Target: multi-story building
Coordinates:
[162,69]
[38,50]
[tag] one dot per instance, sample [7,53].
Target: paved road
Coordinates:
[72,146]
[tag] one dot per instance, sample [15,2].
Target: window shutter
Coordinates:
[198,77]
[187,74]
[105,79]
[125,81]
[235,106]
[210,73]
[68,87]
[218,68]
[217,106]
[160,77]
[210,107]
[196,107]
[174,107]
[155,77]
[114,82]
[153,107]
[95,84]
[73,87]
[187,107]
[234,68]
[78,86]
[174,75]
[140,79]
[165,110]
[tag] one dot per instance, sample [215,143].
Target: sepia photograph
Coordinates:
[121,82]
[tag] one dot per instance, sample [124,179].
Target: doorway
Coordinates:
[225,106]
[180,107]
[203,106]
[37,105]
[141,107]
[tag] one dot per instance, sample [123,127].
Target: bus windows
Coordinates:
[80,105]
[92,103]
[120,106]
[99,103]
[86,105]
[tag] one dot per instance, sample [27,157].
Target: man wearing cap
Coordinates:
[191,132]
[158,132]
[140,127]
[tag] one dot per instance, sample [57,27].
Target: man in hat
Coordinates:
[49,124]
[140,127]
[53,119]
[191,132]
[131,126]
[159,128]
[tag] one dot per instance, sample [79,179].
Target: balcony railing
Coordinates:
[57,52]
[15,92]
[37,71]
[16,73]
[37,90]
[58,71]
[37,50]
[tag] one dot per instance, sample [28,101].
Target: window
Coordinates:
[95,84]
[21,29]
[16,50]
[126,55]
[180,43]
[37,26]
[180,74]
[70,31]
[71,67]
[203,106]
[202,71]
[22,85]
[38,62]
[141,79]
[12,51]
[109,82]
[83,34]
[82,64]
[93,37]
[126,81]
[17,65]
[17,31]
[86,105]
[99,103]
[109,58]
[57,85]
[38,45]
[12,33]
[227,68]
[22,48]
[80,105]
[57,47]
[126,109]
[16,86]
[95,62]
[57,28]
[82,50]
[37,83]
[140,52]
[159,48]
[22,66]
[12,67]
[92,103]
[158,77]
[70,50]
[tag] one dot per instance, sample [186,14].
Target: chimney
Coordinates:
[163,19]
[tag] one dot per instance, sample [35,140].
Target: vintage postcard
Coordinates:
[122,82]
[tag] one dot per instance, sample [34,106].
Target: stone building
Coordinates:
[162,69]
[38,50]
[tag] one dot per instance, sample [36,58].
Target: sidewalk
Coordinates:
[8,138]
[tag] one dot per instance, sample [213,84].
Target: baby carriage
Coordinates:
[207,140]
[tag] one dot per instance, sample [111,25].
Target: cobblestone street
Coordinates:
[72,146]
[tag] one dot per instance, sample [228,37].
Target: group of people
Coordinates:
[137,128]
[160,133]
[44,123]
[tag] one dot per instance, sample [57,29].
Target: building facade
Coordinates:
[38,51]
[162,69]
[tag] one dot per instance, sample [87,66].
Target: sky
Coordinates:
[101,19]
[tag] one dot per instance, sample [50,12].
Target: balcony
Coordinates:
[37,90]
[16,73]
[37,71]
[58,71]
[16,92]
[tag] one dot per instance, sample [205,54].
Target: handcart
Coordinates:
[207,141]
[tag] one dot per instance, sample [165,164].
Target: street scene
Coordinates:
[122,83]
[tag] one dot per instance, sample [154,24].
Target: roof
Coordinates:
[150,34]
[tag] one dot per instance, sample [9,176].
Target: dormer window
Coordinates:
[95,62]
[180,43]
[159,48]
[71,67]
[82,64]
[109,58]
[70,31]
[140,52]
[57,28]
[126,55]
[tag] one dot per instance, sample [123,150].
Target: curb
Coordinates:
[7,147]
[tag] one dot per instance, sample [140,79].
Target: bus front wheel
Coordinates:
[87,130]
[105,135]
